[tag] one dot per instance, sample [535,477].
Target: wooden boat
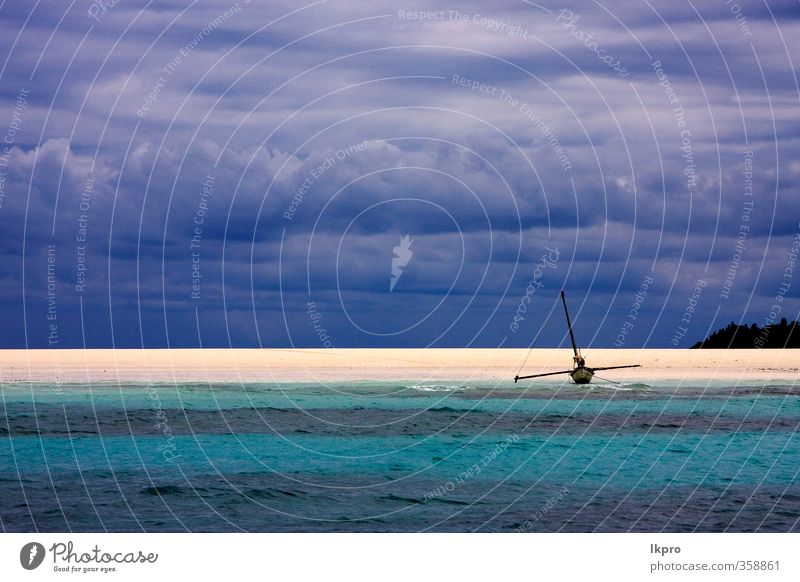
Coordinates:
[580,372]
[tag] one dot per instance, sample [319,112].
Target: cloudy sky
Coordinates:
[217,173]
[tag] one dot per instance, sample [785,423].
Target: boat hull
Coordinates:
[581,375]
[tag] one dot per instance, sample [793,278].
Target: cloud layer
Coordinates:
[196,174]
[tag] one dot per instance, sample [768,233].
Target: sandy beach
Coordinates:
[308,365]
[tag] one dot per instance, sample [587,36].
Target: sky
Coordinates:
[396,174]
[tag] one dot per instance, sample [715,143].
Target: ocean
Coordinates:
[401,456]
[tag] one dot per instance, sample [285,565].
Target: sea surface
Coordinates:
[404,456]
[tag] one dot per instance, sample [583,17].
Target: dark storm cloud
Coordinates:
[245,159]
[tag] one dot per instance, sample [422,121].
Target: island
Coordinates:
[775,336]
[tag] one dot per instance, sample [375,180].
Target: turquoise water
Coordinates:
[401,456]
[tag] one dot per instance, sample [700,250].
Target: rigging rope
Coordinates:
[606,379]
[528,355]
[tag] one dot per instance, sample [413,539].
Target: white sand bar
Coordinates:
[304,365]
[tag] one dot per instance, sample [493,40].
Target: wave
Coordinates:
[440,387]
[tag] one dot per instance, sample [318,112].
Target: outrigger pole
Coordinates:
[540,375]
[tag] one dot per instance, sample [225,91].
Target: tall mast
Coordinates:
[569,324]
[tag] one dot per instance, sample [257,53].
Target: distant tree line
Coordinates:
[777,335]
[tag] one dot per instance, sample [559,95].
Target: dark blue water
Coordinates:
[400,457]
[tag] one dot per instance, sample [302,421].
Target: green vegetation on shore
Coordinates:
[777,335]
